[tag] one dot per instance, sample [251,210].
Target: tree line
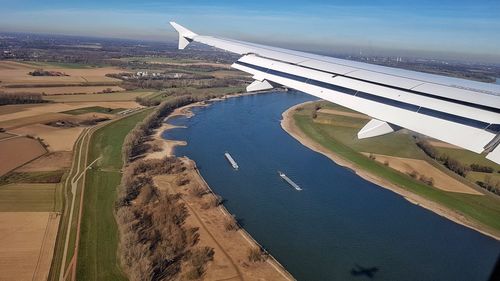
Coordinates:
[449,162]
[134,143]
[490,184]
[134,84]
[461,169]
[155,243]
[20,98]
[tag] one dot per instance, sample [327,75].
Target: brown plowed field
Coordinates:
[17,73]
[63,90]
[53,161]
[26,244]
[441,180]
[18,151]
[58,139]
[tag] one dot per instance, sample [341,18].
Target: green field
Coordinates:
[196,93]
[468,157]
[23,197]
[117,96]
[32,177]
[484,209]
[345,128]
[97,256]
[203,93]
[477,176]
[159,60]
[58,64]
[96,109]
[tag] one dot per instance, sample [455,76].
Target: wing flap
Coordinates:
[382,78]
[455,133]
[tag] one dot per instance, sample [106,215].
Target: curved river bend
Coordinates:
[339,221]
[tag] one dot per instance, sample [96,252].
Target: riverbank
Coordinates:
[288,124]
[168,146]
[232,247]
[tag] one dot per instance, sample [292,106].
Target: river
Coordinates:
[339,221]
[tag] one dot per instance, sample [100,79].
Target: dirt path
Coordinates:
[70,183]
[226,255]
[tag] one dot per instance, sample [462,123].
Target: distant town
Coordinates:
[99,51]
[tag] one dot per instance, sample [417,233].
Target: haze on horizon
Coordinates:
[461,29]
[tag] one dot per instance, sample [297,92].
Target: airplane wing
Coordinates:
[457,111]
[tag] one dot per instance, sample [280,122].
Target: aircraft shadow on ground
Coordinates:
[360,271]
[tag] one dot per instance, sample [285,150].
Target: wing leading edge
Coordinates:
[461,112]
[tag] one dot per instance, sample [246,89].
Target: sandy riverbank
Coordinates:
[288,124]
[168,146]
[231,247]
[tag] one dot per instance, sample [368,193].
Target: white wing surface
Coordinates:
[461,112]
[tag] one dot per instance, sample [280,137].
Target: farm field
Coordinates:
[53,161]
[159,60]
[70,79]
[26,244]
[110,97]
[343,125]
[5,135]
[32,177]
[63,90]
[16,73]
[10,112]
[441,180]
[91,109]
[19,151]
[57,139]
[467,157]
[11,124]
[27,197]
[45,64]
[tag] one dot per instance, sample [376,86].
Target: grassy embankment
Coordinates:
[97,259]
[339,136]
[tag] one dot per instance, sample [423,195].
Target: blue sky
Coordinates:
[437,28]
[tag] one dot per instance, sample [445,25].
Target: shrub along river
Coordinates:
[340,226]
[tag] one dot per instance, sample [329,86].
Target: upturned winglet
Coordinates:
[185,35]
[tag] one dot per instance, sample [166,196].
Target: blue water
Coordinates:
[339,220]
